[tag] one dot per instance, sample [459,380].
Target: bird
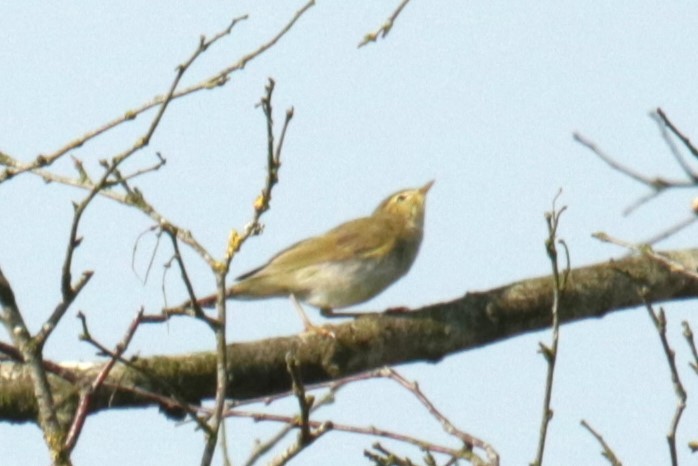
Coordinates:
[347,265]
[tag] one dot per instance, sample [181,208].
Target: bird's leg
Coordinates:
[306,322]
[309,326]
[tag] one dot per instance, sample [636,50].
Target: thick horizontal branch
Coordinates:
[258,369]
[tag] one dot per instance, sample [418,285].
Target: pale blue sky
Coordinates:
[481,96]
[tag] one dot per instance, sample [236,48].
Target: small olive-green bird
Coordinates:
[349,264]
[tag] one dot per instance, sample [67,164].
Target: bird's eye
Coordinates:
[400,197]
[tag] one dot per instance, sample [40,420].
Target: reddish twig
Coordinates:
[86,395]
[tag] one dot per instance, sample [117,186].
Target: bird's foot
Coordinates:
[309,326]
[331,314]
[324,331]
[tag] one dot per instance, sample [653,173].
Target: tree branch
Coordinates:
[258,369]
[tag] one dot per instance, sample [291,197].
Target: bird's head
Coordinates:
[408,204]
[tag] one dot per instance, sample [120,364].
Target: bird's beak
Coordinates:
[424,189]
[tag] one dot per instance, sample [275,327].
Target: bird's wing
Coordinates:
[363,237]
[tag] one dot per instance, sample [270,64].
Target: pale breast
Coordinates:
[335,285]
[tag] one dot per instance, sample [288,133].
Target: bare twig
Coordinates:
[223,440]
[326,425]
[384,30]
[220,78]
[171,401]
[646,250]
[16,167]
[607,451]
[62,307]
[264,447]
[663,123]
[195,308]
[659,320]
[657,184]
[466,452]
[135,198]
[306,436]
[550,353]
[153,254]
[684,139]
[30,348]
[221,370]
[295,448]
[261,204]
[141,171]
[54,433]
[688,335]
[672,230]
[87,394]
[69,292]
[220,269]
[305,403]
[468,440]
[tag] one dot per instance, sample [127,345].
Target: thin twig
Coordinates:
[69,292]
[305,403]
[672,230]
[607,452]
[220,269]
[220,78]
[195,308]
[264,447]
[371,430]
[550,353]
[657,184]
[153,254]
[295,448]
[137,200]
[171,401]
[384,30]
[86,396]
[663,123]
[223,440]
[468,440]
[61,308]
[659,320]
[221,371]
[261,204]
[46,160]
[54,433]
[688,335]
[684,139]
[646,250]
[305,436]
